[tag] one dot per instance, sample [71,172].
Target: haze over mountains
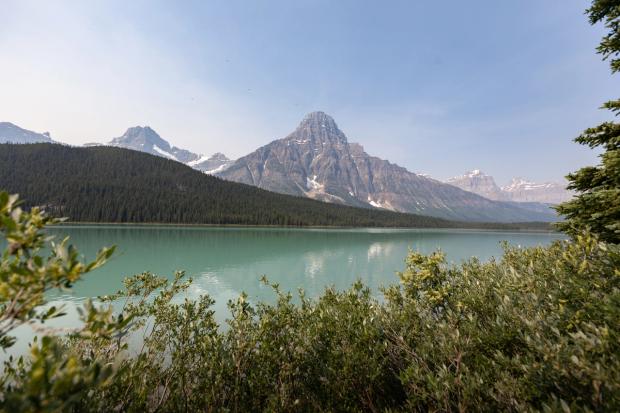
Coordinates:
[317,161]
[519,189]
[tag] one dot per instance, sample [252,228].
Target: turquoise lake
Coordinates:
[224,261]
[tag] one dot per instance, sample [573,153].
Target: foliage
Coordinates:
[106,184]
[47,378]
[597,207]
[25,276]
[609,12]
[536,330]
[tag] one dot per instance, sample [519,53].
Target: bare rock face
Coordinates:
[317,161]
[10,133]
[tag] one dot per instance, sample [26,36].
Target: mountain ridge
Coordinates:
[145,139]
[351,177]
[317,161]
[11,133]
[110,184]
[518,190]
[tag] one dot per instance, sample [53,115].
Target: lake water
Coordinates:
[226,261]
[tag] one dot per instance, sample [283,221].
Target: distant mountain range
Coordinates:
[109,184]
[10,133]
[317,161]
[519,190]
[145,139]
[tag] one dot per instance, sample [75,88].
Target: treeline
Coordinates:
[106,184]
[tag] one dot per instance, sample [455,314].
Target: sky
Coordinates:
[437,87]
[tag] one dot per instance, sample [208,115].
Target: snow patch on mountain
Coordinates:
[313,184]
[198,161]
[164,153]
[10,133]
[218,169]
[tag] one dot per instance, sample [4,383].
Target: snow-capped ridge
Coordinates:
[11,133]
[518,190]
[145,139]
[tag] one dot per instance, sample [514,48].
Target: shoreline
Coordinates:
[301,227]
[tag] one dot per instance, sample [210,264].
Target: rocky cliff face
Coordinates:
[10,133]
[317,161]
[519,190]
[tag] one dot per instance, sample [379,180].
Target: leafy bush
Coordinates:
[536,330]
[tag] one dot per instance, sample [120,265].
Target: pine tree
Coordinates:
[597,206]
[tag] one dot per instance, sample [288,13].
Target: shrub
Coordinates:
[535,330]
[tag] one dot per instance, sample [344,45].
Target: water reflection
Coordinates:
[232,260]
[226,261]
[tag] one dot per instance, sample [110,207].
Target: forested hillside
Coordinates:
[106,184]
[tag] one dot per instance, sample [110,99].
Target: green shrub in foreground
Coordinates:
[536,330]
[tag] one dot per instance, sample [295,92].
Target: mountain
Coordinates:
[519,190]
[211,165]
[14,134]
[108,184]
[317,161]
[479,183]
[145,139]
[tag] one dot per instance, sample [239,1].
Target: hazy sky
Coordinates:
[437,87]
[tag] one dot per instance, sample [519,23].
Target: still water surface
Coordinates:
[223,262]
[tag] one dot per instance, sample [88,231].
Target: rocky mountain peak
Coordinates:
[219,156]
[479,183]
[318,117]
[141,138]
[318,128]
[12,133]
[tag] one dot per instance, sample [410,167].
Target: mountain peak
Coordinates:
[142,138]
[318,116]
[218,156]
[318,127]
[11,133]
[319,119]
[135,130]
